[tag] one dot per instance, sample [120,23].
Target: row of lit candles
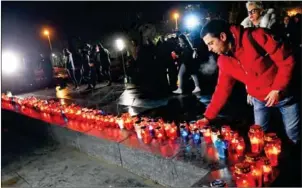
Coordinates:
[145,128]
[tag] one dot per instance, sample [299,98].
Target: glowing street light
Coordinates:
[46,33]
[120,44]
[192,21]
[176,16]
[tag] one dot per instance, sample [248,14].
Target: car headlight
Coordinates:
[10,62]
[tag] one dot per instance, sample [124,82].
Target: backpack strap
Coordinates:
[255,44]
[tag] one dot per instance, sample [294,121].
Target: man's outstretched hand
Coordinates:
[203,122]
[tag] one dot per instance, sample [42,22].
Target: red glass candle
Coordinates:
[206,132]
[159,133]
[272,150]
[256,167]
[146,136]
[172,131]
[120,122]
[240,147]
[193,126]
[267,170]
[128,123]
[234,136]
[167,126]
[271,137]
[256,136]
[112,122]
[243,176]
[225,132]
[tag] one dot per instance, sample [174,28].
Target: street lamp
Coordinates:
[46,33]
[176,16]
[120,44]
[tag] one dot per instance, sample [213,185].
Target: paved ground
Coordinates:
[57,166]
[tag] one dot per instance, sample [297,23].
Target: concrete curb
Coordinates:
[156,161]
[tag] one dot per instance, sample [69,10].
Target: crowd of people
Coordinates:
[93,63]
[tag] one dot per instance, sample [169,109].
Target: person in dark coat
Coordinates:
[287,30]
[85,60]
[187,64]
[105,62]
[96,59]
[70,68]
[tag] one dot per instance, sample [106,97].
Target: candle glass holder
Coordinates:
[256,167]
[234,140]
[267,170]
[146,137]
[184,132]
[192,126]
[172,132]
[243,176]
[256,136]
[221,147]
[240,147]
[272,150]
[196,136]
[225,132]
[206,132]
[159,133]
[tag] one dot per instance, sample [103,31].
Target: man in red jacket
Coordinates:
[266,78]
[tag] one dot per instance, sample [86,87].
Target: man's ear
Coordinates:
[223,36]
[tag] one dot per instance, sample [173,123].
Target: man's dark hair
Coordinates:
[215,27]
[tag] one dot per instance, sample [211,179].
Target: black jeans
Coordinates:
[85,70]
[182,71]
[106,72]
[92,77]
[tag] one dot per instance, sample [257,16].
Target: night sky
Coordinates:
[22,22]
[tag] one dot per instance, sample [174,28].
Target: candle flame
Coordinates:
[267,169]
[255,140]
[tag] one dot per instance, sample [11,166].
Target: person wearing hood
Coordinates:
[266,78]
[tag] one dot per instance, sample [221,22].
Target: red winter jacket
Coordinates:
[260,75]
